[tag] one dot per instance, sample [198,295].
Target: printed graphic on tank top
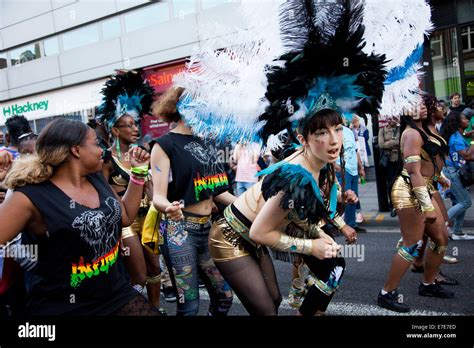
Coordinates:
[196,169]
[78,269]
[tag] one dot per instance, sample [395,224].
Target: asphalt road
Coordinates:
[364,277]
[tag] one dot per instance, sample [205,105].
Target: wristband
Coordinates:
[412,159]
[137,181]
[421,193]
[294,245]
[339,222]
[141,171]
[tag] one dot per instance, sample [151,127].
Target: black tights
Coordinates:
[254,282]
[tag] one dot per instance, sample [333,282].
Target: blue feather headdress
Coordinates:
[125,94]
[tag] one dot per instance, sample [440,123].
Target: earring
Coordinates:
[117,145]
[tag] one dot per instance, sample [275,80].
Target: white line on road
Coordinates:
[350,309]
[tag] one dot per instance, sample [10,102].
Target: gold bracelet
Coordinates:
[294,245]
[412,159]
[339,222]
[421,193]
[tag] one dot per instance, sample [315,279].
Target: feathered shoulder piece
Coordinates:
[325,67]
[125,93]
[301,192]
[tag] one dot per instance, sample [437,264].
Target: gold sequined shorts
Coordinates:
[220,247]
[226,241]
[403,196]
[135,229]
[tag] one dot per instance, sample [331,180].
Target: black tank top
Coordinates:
[196,173]
[79,270]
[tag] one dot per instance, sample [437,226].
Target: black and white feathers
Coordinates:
[125,92]
[326,58]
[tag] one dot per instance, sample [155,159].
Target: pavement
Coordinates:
[382,221]
[367,268]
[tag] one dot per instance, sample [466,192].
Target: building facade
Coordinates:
[449,52]
[55,55]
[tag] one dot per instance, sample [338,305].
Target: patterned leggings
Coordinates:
[188,249]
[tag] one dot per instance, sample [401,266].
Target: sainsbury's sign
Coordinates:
[162,78]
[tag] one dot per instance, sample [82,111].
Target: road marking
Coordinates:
[349,309]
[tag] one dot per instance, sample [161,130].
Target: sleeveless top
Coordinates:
[120,176]
[79,270]
[196,174]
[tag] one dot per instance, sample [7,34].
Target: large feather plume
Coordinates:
[326,53]
[398,28]
[395,28]
[225,82]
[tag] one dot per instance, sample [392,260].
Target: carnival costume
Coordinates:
[127,94]
[320,65]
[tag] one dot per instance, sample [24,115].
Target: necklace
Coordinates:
[313,171]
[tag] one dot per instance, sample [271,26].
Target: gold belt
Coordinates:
[237,225]
[199,220]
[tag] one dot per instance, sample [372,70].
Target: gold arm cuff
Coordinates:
[437,249]
[294,245]
[412,159]
[154,279]
[339,222]
[421,193]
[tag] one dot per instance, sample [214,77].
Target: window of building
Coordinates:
[32,126]
[80,37]
[445,62]
[3,60]
[25,53]
[467,38]
[110,29]
[43,122]
[467,35]
[436,44]
[146,16]
[182,8]
[51,46]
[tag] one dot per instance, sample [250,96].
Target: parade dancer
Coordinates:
[434,115]
[305,90]
[418,213]
[126,97]
[187,177]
